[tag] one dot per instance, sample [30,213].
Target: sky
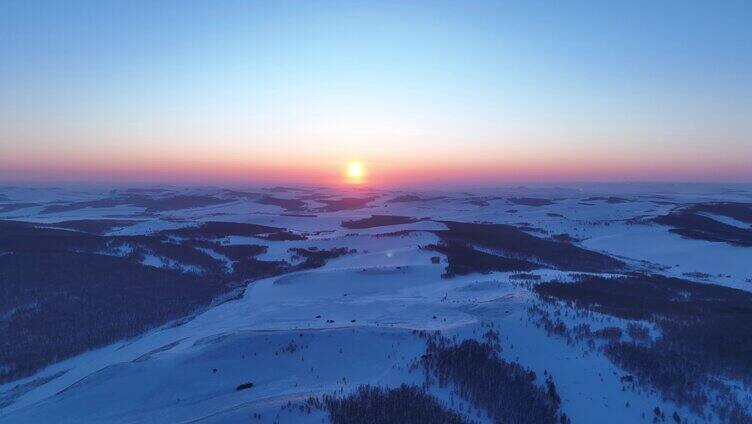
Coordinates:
[417,92]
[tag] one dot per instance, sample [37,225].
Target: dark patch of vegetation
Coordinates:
[738,211]
[290,205]
[408,198]
[481,201]
[402,405]
[178,202]
[528,277]
[401,233]
[216,229]
[463,260]
[608,333]
[505,390]
[405,198]
[181,255]
[283,189]
[283,235]
[706,332]
[638,332]
[239,194]
[700,227]
[54,280]
[146,190]
[200,243]
[246,269]
[237,252]
[315,258]
[93,226]
[378,221]
[610,199]
[564,238]
[314,196]
[65,207]
[244,386]
[528,227]
[19,236]
[150,204]
[57,304]
[530,201]
[513,243]
[346,203]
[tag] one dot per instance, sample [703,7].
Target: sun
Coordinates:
[355,172]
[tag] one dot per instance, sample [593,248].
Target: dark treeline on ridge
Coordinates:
[378,221]
[505,390]
[401,405]
[513,250]
[63,292]
[706,335]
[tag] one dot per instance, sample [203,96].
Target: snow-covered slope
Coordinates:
[353,321]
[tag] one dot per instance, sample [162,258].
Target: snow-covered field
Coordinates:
[352,321]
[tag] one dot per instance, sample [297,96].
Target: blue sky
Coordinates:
[291,90]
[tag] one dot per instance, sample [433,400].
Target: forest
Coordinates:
[513,243]
[63,292]
[705,335]
[376,405]
[506,391]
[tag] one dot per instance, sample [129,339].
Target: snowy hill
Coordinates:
[257,305]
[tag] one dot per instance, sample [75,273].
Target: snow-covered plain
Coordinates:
[352,321]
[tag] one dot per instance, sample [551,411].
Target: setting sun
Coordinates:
[355,172]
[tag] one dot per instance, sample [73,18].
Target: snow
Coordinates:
[352,321]
[728,265]
[160,262]
[726,220]
[150,227]
[227,261]
[244,339]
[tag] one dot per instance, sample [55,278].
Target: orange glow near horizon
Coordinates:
[378,168]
